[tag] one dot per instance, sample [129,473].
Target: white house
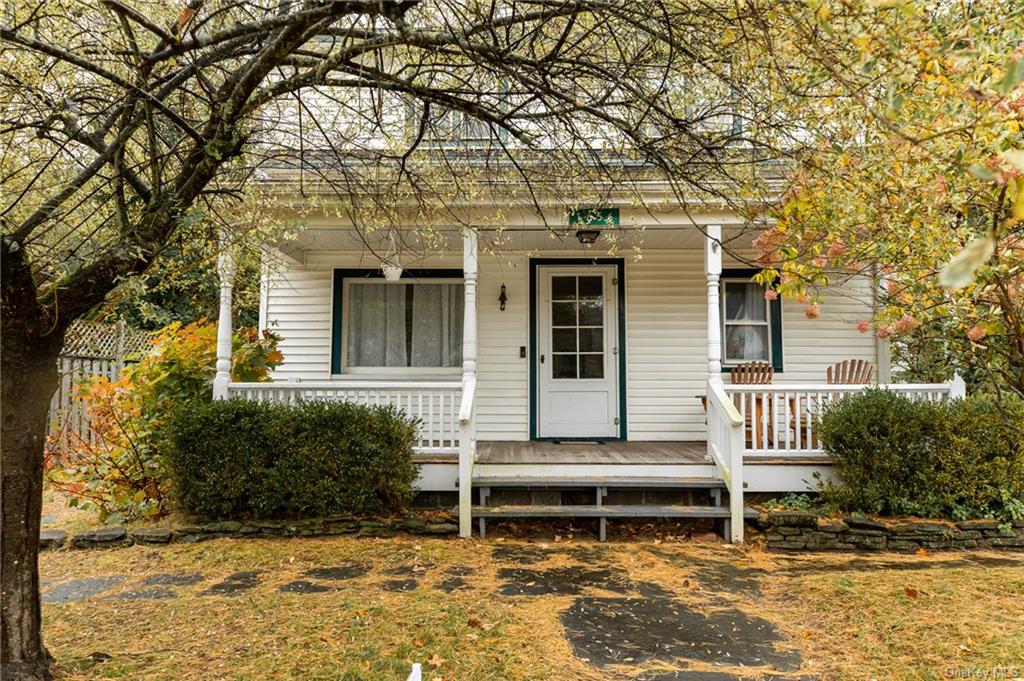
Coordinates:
[552,362]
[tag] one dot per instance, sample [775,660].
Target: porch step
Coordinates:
[602,512]
[610,511]
[616,482]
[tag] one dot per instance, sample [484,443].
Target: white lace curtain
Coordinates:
[746,322]
[404,325]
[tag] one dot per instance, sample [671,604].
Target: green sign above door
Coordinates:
[594,216]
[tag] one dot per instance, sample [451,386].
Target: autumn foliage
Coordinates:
[118,467]
[918,183]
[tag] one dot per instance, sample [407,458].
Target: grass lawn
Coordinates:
[267,609]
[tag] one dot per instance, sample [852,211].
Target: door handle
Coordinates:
[542,359]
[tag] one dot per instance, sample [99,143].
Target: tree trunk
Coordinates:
[30,378]
[30,342]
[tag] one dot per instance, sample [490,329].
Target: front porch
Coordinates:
[760,439]
[657,365]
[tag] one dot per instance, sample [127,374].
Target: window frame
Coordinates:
[343,279]
[773,321]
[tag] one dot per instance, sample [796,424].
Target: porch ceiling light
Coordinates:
[587,236]
[391,272]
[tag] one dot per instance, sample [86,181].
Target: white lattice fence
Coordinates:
[90,349]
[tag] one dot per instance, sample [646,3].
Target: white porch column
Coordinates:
[226,272]
[713,271]
[726,439]
[470,268]
[467,421]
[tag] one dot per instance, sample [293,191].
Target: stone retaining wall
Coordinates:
[807,531]
[116,536]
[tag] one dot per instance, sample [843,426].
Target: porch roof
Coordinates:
[416,245]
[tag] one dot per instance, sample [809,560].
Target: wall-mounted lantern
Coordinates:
[589,221]
[502,298]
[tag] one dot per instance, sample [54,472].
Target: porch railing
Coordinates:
[435,403]
[781,419]
[725,448]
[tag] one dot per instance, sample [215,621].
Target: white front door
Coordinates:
[577,353]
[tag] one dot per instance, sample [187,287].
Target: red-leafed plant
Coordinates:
[116,466]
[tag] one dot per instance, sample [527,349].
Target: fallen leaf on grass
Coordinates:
[911,593]
[436,661]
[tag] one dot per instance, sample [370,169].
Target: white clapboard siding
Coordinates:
[666,360]
[666,327]
[503,381]
[299,308]
[811,345]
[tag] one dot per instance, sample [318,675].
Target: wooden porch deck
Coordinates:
[591,452]
[679,452]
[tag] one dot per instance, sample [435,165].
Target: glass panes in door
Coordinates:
[577,326]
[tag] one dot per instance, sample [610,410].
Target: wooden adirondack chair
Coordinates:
[847,372]
[755,373]
[850,372]
[751,373]
[759,373]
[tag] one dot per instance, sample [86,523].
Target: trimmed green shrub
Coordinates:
[898,456]
[118,470]
[239,459]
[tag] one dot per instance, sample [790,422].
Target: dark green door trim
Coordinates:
[774,315]
[620,273]
[338,308]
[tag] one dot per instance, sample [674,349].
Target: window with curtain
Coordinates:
[746,332]
[403,324]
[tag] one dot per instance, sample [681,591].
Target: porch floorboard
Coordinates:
[611,452]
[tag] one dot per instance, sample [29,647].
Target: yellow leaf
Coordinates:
[1018,204]
[959,272]
[1014,157]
